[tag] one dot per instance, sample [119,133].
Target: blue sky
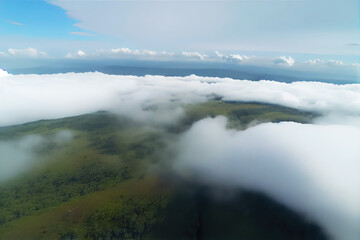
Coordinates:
[40,25]
[306,30]
[35,19]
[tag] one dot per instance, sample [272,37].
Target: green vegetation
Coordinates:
[128,218]
[194,213]
[243,115]
[98,185]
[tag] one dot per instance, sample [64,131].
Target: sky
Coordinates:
[261,32]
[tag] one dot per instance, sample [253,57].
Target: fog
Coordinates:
[19,155]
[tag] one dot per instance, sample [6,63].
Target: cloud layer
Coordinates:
[3,73]
[26,98]
[310,168]
[256,26]
[283,68]
[327,70]
[283,60]
[215,56]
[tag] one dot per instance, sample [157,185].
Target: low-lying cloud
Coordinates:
[18,155]
[126,53]
[286,61]
[313,169]
[3,73]
[27,52]
[194,55]
[78,54]
[284,68]
[25,98]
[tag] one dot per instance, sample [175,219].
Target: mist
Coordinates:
[19,155]
[313,169]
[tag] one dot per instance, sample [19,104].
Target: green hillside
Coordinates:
[106,183]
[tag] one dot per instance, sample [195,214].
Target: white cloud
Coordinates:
[81,53]
[128,53]
[314,61]
[316,65]
[164,53]
[136,52]
[310,168]
[335,62]
[61,95]
[330,62]
[237,58]
[78,54]
[194,55]
[320,69]
[3,73]
[121,50]
[145,53]
[16,156]
[27,52]
[149,52]
[218,54]
[283,60]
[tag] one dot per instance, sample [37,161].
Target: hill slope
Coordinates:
[101,184]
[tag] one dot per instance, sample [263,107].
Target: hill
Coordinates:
[113,180]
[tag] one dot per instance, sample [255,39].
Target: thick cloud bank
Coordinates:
[3,73]
[313,169]
[26,98]
[16,156]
